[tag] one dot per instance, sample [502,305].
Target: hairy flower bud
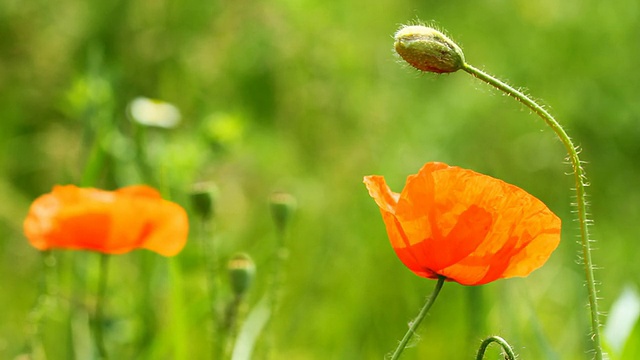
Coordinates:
[428,49]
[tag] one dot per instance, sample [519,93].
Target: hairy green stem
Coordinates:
[510,355]
[580,183]
[416,322]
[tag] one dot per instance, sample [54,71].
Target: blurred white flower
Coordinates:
[152,112]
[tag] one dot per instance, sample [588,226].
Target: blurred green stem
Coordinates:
[209,257]
[95,164]
[276,282]
[177,333]
[509,354]
[580,184]
[416,322]
[142,155]
[40,307]
[231,324]
[475,313]
[98,321]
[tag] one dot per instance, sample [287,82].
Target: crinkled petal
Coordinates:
[387,201]
[469,227]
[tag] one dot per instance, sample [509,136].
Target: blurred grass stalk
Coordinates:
[177,331]
[203,197]
[40,309]
[283,207]
[241,271]
[251,329]
[476,310]
[98,321]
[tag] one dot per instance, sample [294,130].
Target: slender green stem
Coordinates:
[476,313]
[282,207]
[43,302]
[416,322]
[98,322]
[280,256]
[177,334]
[510,355]
[210,260]
[231,322]
[142,155]
[580,183]
[95,163]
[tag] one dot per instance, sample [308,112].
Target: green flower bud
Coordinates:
[283,206]
[241,273]
[428,49]
[203,198]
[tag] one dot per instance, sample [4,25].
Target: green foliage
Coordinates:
[307,97]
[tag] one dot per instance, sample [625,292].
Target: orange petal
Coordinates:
[139,190]
[166,228]
[56,220]
[380,192]
[412,260]
[443,232]
[523,236]
[469,227]
[112,222]
[141,219]
[387,200]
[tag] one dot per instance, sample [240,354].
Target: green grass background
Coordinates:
[308,97]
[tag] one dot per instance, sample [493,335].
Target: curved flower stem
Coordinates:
[98,321]
[415,323]
[580,183]
[510,355]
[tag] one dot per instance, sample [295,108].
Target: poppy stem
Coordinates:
[508,351]
[42,305]
[209,257]
[273,295]
[232,315]
[142,155]
[416,322]
[580,184]
[282,206]
[98,321]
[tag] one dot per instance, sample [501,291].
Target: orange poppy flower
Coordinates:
[112,222]
[465,226]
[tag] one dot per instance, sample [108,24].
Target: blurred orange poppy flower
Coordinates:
[465,226]
[112,222]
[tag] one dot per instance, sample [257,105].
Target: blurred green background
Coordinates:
[307,97]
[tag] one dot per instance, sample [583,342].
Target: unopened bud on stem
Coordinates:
[241,273]
[428,49]
[283,205]
[203,198]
